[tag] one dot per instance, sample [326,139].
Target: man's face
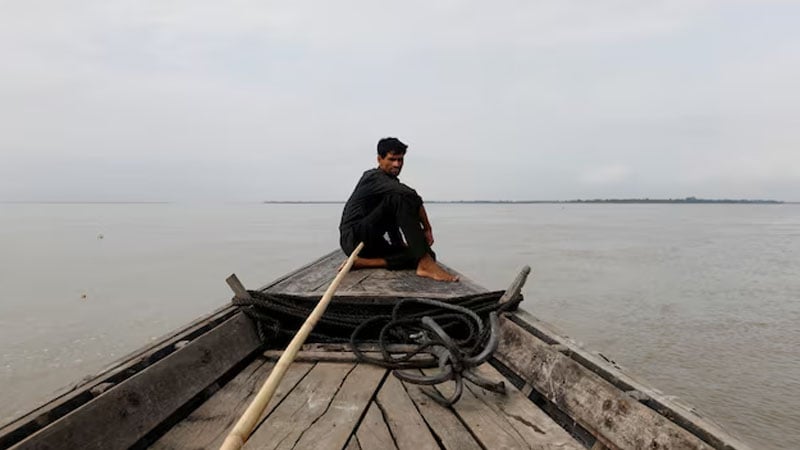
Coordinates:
[391,164]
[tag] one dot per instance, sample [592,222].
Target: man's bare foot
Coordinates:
[428,268]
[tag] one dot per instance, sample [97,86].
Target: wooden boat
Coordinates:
[188,389]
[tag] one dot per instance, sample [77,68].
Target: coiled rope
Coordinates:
[459,334]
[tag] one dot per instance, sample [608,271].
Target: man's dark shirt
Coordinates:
[370,190]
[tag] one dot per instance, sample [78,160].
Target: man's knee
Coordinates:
[402,204]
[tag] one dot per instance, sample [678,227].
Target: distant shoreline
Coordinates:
[454,202]
[80,202]
[680,201]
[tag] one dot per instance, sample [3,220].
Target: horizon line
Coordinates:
[472,201]
[609,200]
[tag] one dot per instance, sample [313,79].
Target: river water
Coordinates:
[701,301]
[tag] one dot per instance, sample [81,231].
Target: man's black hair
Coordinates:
[391,145]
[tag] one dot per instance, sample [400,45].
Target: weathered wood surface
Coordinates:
[515,289]
[507,421]
[322,410]
[312,280]
[539,430]
[405,422]
[307,401]
[683,415]
[334,427]
[208,425]
[373,432]
[353,444]
[122,415]
[237,287]
[616,419]
[448,429]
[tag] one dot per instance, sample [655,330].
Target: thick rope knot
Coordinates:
[455,356]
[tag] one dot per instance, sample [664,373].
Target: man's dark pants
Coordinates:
[393,212]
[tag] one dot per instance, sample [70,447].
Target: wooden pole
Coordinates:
[241,432]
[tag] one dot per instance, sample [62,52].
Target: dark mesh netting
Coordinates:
[279,316]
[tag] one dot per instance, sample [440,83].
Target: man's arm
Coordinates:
[426,225]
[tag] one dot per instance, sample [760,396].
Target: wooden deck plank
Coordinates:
[333,429]
[533,424]
[307,401]
[312,281]
[405,283]
[448,428]
[306,405]
[373,432]
[507,421]
[405,423]
[350,282]
[207,426]
[353,444]
[489,428]
[608,413]
[309,278]
[125,413]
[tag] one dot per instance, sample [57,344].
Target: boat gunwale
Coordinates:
[122,369]
[683,416]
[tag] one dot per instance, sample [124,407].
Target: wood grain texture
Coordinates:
[533,424]
[613,417]
[312,276]
[446,426]
[406,424]
[334,427]
[507,421]
[312,280]
[682,414]
[353,444]
[307,402]
[125,413]
[373,432]
[207,426]
[323,409]
[492,430]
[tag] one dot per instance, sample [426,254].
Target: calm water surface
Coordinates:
[702,301]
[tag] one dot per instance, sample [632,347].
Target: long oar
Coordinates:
[238,436]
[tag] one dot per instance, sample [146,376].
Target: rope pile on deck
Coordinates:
[457,352]
[459,334]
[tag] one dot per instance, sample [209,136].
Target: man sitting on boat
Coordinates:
[379,210]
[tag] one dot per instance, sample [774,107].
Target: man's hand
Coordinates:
[428,236]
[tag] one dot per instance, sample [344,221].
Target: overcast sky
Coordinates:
[197,100]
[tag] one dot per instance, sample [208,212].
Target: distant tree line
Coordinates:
[596,200]
[674,200]
[618,200]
